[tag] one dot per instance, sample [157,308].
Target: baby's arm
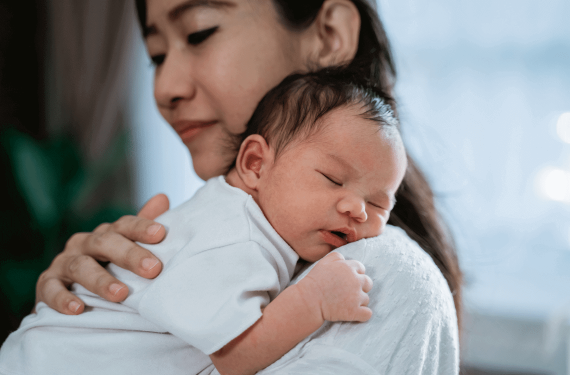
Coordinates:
[334,290]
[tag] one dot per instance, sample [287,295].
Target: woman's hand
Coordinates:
[78,263]
[339,288]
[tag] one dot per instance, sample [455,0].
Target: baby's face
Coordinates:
[336,187]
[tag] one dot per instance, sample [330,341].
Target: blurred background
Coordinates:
[484,91]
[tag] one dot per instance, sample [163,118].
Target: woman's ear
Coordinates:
[338,29]
[253,160]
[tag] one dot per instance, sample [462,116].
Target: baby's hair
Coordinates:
[291,110]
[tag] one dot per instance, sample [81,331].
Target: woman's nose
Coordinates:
[173,81]
[354,207]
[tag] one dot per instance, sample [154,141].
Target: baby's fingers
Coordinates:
[365,282]
[357,266]
[332,257]
[363,314]
[364,299]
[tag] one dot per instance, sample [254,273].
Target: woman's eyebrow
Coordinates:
[185,6]
[189,4]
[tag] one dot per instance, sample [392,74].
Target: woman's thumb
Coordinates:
[155,207]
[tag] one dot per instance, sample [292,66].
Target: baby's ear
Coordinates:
[253,159]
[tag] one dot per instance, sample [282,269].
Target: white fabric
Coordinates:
[413,329]
[223,263]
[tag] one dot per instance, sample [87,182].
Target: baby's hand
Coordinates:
[339,288]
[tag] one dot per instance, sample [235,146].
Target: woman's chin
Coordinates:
[208,166]
[202,171]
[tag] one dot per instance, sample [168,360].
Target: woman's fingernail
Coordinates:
[153,229]
[149,263]
[114,288]
[74,306]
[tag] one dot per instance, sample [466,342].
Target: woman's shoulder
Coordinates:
[407,276]
[395,256]
[414,319]
[413,328]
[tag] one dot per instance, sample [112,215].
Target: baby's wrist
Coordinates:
[310,298]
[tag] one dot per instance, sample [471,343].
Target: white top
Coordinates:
[223,263]
[413,329]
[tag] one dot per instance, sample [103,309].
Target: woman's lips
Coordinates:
[189,130]
[332,239]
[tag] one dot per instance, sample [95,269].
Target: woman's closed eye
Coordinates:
[200,36]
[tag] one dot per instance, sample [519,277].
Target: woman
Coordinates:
[214,61]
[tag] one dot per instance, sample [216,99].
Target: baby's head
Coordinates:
[323,158]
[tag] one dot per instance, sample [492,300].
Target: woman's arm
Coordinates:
[78,263]
[335,290]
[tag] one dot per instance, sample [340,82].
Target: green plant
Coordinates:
[50,186]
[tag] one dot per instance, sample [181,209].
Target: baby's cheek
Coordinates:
[377,224]
[381,230]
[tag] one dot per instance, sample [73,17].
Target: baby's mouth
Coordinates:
[340,234]
[334,238]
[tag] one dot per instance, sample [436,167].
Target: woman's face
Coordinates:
[215,60]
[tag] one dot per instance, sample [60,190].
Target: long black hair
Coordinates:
[415,210]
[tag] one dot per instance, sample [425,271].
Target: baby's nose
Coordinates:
[354,207]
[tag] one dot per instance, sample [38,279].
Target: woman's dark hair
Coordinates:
[414,211]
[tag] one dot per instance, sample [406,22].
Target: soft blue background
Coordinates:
[481,86]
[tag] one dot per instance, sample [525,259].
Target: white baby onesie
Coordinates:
[223,263]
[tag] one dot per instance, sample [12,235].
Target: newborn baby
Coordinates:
[317,168]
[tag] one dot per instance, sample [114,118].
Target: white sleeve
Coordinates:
[413,329]
[212,297]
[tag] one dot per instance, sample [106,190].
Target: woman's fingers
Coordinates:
[138,229]
[52,291]
[113,247]
[86,271]
[57,296]
[155,207]
[114,243]
[108,242]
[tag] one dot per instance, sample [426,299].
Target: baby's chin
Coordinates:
[315,252]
